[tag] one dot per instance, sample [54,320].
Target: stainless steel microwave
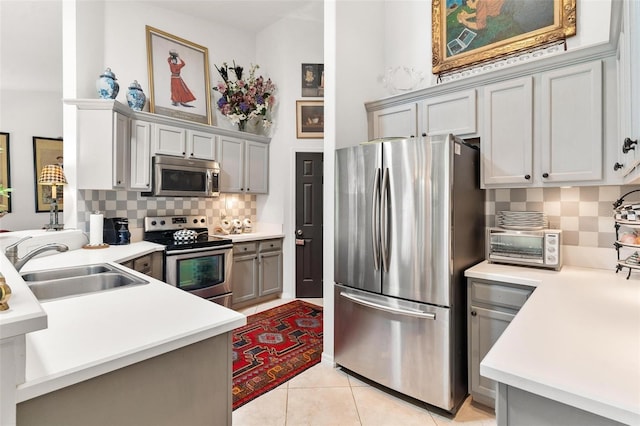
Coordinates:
[182,177]
[540,248]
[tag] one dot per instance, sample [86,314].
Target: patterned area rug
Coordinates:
[273,347]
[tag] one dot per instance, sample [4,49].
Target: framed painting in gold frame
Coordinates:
[46,151]
[178,77]
[469,32]
[5,172]
[310,119]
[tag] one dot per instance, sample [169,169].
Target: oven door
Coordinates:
[203,272]
[516,247]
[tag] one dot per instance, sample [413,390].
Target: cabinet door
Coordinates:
[169,140]
[629,88]
[201,145]
[140,155]
[454,113]
[230,156]
[397,121]
[486,326]
[121,149]
[270,273]
[507,140]
[256,167]
[244,278]
[571,124]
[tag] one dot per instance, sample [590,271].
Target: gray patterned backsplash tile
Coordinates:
[585,214]
[135,207]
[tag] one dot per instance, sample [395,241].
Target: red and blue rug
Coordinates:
[274,346]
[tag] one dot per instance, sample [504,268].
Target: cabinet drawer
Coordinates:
[244,248]
[497,294]
[270,245]
[142,264]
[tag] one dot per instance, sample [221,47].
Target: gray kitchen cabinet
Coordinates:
[395,121]
[182,142]
[628,61]
[149,264]
[140,176]
[244,166]
[491,307]
[102,145]
[257,271]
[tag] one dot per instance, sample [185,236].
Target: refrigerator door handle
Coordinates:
[384,211]
[397,311]
[375,215]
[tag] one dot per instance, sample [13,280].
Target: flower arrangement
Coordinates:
[243,100]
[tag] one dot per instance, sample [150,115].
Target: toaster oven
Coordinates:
[540,248]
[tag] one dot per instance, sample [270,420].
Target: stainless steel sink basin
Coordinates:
[66,282]
[76,271]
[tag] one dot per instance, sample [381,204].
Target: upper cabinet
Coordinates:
[452,113]
[507,139]
[244,166]
[103,148]
[629,93]
[395,121]
[116,146]
[181,142]
[567,143]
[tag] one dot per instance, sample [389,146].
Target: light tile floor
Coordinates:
[327,396]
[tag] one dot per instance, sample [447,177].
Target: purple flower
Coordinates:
[222,102]
[244,107]
[259,100]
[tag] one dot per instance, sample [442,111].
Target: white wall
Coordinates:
[30,95]
[280,50]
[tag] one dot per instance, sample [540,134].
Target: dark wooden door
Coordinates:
[309,224]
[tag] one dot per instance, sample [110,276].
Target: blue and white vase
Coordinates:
[107,86]
[135,96]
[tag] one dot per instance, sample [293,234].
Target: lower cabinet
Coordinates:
[151,264]
[491,307]
[257,271]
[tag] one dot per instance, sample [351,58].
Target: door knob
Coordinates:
[299,232]
[617,166]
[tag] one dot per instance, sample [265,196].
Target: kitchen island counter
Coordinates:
[575,341]
[96,333]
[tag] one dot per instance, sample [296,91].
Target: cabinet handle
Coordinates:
[617,166]
[474,313]
[628,145]
[545,175]
[183,153]
[527,177]
[424,134]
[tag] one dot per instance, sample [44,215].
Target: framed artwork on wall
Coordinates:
[312,78]
[310,119]
[46,151]
[178,77]
[5,172]
[469,32]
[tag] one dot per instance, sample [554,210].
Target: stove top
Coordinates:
[160,230]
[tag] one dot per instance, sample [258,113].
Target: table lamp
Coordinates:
[53,175]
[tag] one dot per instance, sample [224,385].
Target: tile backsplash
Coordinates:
[135,207]
[585,214]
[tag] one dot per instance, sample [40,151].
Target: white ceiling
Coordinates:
[252,15]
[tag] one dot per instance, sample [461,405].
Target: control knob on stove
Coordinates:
[153,222]
[202,220]
[162,222]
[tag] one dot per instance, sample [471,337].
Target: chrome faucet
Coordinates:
[12,252]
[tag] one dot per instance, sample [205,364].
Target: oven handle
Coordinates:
[200,250]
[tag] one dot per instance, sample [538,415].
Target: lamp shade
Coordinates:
[52,174]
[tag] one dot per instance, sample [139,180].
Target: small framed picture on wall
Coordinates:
[310,119]
[312,80]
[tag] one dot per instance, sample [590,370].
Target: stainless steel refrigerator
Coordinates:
[409,220]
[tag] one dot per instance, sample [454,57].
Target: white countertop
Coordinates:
[93,334]
[251,236]
[576,340]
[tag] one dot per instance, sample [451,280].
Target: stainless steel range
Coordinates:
[194,260]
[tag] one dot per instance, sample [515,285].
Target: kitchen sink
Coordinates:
[75,281]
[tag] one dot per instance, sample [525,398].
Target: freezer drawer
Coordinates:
[399,344]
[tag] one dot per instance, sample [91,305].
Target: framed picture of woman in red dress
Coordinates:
[178,77]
